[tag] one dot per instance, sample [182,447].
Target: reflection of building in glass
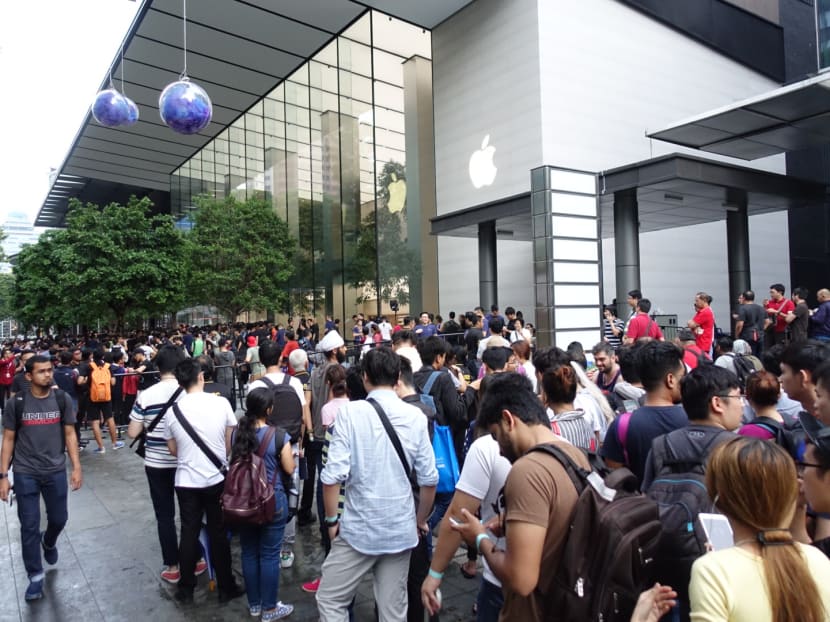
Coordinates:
[823,24]
[327,148]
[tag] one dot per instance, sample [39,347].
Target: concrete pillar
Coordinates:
[487,265]
[419,128]
[626,247]
[737,244]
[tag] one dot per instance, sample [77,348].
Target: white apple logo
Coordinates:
[482,169]
[397,194]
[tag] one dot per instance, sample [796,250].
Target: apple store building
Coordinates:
[547,155]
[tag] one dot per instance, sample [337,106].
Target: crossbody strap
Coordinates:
[219,464]
[157,419]
[393,436]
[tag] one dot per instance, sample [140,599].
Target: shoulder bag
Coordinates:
[141,439]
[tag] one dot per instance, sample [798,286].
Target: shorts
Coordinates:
[98,410]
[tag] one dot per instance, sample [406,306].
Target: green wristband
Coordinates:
[435,574]
[479,538]
[332,520]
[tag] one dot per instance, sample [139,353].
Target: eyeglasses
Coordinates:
[801,465]
[727,396]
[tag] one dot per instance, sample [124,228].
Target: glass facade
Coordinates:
[327,149]
[823,26]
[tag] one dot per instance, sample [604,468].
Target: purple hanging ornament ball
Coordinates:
[132,115]
[110,108]
[185,107]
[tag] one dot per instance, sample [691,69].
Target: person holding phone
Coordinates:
[754,483]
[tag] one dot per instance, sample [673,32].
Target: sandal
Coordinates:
[466,571]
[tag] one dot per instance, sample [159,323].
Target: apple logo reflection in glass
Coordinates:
[482,169]
[397,194]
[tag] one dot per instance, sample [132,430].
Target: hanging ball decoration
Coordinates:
[185,107]
[110,108]
[132,115]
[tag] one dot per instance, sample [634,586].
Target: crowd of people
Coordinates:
[418,438]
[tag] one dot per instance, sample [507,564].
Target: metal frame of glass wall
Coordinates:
[326,148]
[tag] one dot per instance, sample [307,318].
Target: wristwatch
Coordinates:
[3,475]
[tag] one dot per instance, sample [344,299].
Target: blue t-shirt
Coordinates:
[422,331]
[646,424]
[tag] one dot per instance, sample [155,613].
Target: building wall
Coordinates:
[458,285]
[610,73]
[485,63]
[698,263]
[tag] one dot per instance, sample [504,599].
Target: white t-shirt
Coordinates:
[586,402]
[276,378]
[209,415]
[483,476]
[385,331]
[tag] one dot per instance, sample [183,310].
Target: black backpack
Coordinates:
[744,368]
[680,493]
[608,556]
[288,410]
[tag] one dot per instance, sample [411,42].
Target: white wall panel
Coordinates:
[609,73]
[485,70]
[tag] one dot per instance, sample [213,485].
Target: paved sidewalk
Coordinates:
[110,562]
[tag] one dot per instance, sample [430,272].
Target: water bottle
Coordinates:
[293,495]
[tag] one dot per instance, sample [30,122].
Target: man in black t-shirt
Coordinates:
[750,322]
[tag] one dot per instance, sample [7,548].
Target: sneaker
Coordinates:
[35,590]
[81,448]
[255,610]
[287,559]
[50,554]
[282,611]
[117,445]
[171,576]
[201,566]
[312,586]
[99,450]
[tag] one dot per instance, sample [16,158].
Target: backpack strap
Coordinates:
[198,440]
[622,433]
[263,448]
[430,381]
[268,382]
[286,379]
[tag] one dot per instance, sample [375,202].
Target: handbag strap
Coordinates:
[219,464]
[393,436]
[164,409]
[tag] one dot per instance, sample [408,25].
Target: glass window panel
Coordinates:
[389,96]
[565,272]
[328,55]
[576,318]
[573,204]
[574,227]
[355,58]
[586,337]
[323,77]
[572,181]
[575,249]
[388,67]
[359,31]
[584,295]
[398,37]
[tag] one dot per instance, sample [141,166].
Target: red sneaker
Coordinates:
[201,566]
[171,576]
[312,586]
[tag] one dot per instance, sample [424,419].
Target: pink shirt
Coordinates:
[330,410]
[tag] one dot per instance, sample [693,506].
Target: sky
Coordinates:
[54,54]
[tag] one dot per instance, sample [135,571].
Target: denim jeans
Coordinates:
[163,496]
[261,557]
[489,602]
[28,489]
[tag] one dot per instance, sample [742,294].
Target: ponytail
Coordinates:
[787,577]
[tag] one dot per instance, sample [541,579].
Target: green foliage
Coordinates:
[115,262]
[6,291]
[382,243]
[241,256]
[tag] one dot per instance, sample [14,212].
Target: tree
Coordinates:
[241,256]
[382,242]
[6,290]
[114,262]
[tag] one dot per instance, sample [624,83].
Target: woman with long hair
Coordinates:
[753,482]
[261,545]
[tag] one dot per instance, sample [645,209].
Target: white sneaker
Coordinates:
[286,559]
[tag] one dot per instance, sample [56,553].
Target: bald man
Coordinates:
[820,317]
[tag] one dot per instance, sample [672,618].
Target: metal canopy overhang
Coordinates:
[792,117]
[672,191]
[238,50]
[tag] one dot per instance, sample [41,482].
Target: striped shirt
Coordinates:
[615,341]
[147,405]
[574,427]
